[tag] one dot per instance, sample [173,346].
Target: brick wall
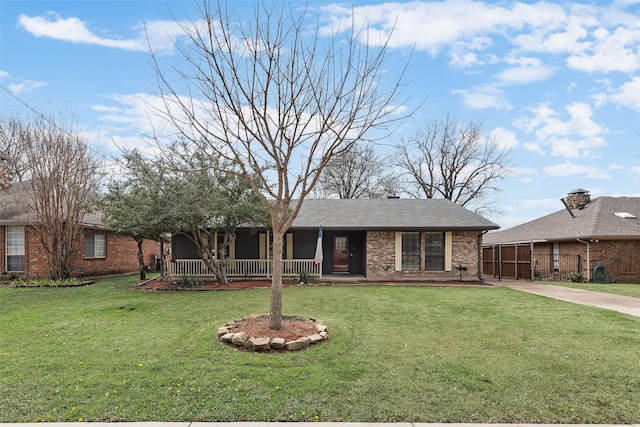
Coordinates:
[621,258]
[381,258]
[122,255]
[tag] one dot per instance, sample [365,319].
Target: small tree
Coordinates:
[204,203]
[271,98]
[455,161]
[62,178]
[359,173]
[135,205]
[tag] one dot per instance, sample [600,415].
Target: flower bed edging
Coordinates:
[241,339]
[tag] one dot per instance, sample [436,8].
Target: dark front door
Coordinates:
[341,254]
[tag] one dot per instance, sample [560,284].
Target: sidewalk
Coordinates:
[296,424]
[619,303]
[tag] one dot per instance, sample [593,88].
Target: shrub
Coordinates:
[304,277]
[186,282]
[576,277]
[44,283]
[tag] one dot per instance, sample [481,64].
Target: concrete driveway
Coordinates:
[622,304]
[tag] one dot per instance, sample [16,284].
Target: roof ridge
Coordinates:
[598,201]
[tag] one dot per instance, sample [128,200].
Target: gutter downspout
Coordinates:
[480,260]
[588,258]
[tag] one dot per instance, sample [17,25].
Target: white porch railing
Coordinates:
[243,267]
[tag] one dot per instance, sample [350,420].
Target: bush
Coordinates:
[186,282]
[576,277]
[304,277]
[45,283]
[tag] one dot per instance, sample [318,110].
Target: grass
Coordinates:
[626,289]
[106,352]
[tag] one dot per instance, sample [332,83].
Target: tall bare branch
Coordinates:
[278,99]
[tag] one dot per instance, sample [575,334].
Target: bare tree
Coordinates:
[455,161]
[277,99]
[359,173]
[62,178]
[12,159]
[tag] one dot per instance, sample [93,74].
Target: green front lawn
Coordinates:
[106,352]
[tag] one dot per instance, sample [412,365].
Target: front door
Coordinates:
[341,254]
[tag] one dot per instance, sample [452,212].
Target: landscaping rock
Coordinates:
[315,338]
[294,345]
[222,331]
[277,343]
[240,338]
[321,328]
[324,335]
[260,344]
[306,342]
[226,337]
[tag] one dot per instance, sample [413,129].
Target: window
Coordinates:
[434,251]
[95,246]
[266,251]
[411,251]
[555,250]
[15,248]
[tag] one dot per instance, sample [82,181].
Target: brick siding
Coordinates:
[381,258]
[621,258]
[121,257]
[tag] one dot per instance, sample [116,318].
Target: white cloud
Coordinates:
[3,74]
[158,34]
[609,51]
[484,97]
[533,147]
[592,37]
[523,75]
[525,70]
[434,25]
[628,94]
[578,136]
[571,169]
[505,138]
[25,87]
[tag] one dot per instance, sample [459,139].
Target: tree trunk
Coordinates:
[143,274]
[275,314]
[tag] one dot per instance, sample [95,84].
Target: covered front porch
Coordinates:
[250,254]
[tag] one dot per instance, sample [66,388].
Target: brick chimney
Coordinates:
[578,199]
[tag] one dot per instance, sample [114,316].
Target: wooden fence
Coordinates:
[519,263]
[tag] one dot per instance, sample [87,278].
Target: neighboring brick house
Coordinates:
[603,232]
[101,251]
[369,239]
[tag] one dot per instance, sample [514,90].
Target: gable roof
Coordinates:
[15,207]
[597,220]
[386,214]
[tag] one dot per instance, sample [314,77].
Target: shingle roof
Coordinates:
[396,214]
[15,207]
[597,220]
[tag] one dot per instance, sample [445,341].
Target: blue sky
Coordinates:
[556,82]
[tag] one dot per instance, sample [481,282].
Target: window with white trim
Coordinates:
[95,246]
[15,248]
[435,248]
